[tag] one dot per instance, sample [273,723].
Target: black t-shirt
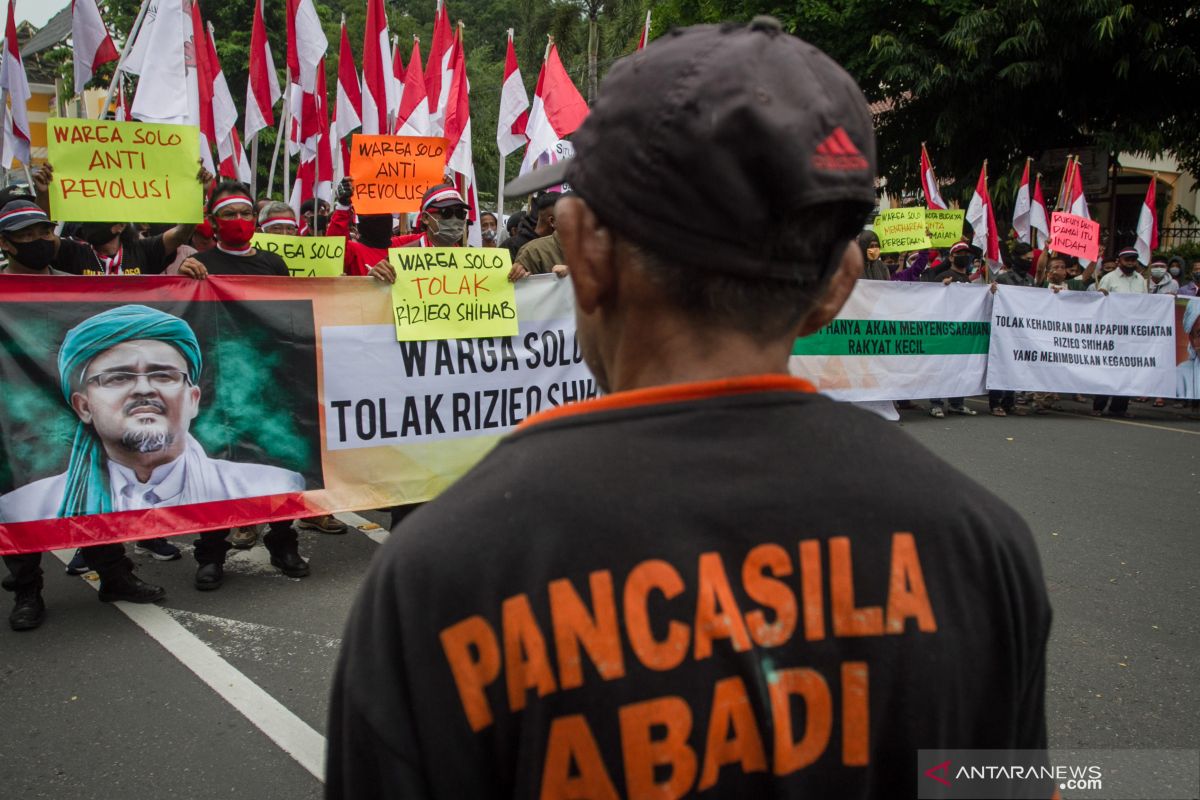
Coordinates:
[218,262]
[955,277]
[706,591]
[147,256]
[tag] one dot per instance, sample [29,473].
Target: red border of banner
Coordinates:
[127,526]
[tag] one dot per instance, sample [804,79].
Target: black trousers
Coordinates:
[1118,407]
[25,570]
[999,398]
[212,546]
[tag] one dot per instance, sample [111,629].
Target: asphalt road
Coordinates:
[95,706]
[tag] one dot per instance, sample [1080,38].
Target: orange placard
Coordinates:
[391,173]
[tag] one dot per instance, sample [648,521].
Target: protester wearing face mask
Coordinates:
[441,223]
[1160,281]
[231,211]
[375,233]
[874,269]
[27,239]
[958,272]
[1020,271]
[489,229]
[1125,279]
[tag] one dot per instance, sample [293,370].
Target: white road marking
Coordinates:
[293,735]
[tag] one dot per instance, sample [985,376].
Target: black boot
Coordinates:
[122,584]
[29,611]
[288,561]
[209,577]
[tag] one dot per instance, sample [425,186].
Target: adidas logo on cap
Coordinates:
[838,154]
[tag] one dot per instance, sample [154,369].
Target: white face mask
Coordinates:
[1174,272]
[1158,272]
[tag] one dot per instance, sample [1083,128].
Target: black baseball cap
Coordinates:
[712,136]
[17,215]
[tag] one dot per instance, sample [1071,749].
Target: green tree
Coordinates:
[1002,79]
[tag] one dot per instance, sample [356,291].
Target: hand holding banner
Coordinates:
[901,229]
[391,173]
[1074,236]
[945,226]
[106,171]
[306,256]
[452,293]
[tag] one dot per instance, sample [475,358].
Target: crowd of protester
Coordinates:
[1023,265]
[221,245]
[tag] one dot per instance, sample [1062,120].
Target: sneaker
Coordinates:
[966,412]
[936,412]
[244,538]
[76,566]
[327,523]
[999,412]
[161,549]
[29,611]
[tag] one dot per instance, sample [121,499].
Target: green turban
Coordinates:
[87,490]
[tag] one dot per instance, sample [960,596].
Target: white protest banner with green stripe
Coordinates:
[898,341]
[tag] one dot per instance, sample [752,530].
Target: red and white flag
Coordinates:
[314,177]
[514,105]
[983,220]
[379,95]
[458,138]
[203,76]
[348,109]
[90,43]
[933,197]
[16,89]
[121,112]
[558,109]
[231,156]
[438,69]
[164,60]
[413,119]
[1038,219]
[1076,201]
[1022,207]
[397,78]
[1147,227]
[642,42]
[262,86]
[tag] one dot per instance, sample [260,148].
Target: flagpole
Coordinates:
[287,105]
[5,158]
[112,86]
[1034,233]
[1059,205]
[254,166]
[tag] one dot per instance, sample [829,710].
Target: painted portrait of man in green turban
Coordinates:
[131,375]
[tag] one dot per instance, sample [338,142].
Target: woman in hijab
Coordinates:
[874,268]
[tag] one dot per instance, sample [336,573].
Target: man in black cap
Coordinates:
[711,598]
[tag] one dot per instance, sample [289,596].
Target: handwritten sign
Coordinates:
[1074,236]
[452,293]
[901,229]
[306,256]
[391,173]
[945,227]
[117,171]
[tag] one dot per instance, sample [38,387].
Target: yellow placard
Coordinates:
[306,256]
[901,229]
[945,227]
[116,171]
[452,293]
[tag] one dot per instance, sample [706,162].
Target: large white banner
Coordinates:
[897,341]
[1119,344]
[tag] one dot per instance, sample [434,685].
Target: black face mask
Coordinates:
[375,230]
[321,222]
[99,236]
[962,262]
[34,255]
[1126,270]
[1021,265]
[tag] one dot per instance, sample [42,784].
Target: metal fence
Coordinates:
[1171,238]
